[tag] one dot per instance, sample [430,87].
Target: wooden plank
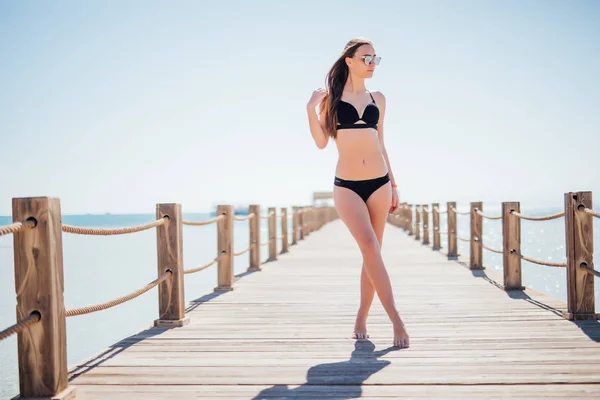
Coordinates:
[286,331]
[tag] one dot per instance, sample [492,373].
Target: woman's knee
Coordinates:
[369,245]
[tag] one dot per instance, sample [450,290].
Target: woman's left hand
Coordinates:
[395,201]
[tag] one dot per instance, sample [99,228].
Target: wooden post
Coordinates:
[452,231]
[417,222]
[272,234]
[225,248]
[476,259]
[425,224]
[511,238]
[284,230]
[302,222]
[409,212]
[169,246]
[436,225]
[254,238]
[294,225]
[39,286]
[580,249]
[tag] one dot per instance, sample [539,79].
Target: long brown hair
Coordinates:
[335,81]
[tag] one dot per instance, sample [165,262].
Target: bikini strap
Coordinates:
[372,97]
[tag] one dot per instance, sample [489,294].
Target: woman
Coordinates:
[364,186]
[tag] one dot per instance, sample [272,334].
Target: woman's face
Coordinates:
[357,64]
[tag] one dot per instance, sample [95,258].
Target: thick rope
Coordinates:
[265,243]
[478,211]
[249,216]
[461,213]
[206,222]
[239,253]
[268,215]
[590,270]
[197,269]
[592,212]
[440,212]
[488,248]
[533,260]
[16,227]
[112,231]
[19,326]
[120,300]
[463,239]
[544,218]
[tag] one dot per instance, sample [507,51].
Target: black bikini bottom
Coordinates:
[363,188]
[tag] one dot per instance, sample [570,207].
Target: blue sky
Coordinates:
[114,106]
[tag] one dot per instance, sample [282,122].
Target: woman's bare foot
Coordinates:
[400,336]
[360,328]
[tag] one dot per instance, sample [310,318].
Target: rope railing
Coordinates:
[246,218]
[247,249]
[205,222]
[591,212]
[542,218]
[203,267]
[592,271]
[487,216]
[460,212]
[120,300]
[45,269]
[268,215]
[17,227]
[488,248]
[578,217]
[20,326]
[112,231]
[539,262]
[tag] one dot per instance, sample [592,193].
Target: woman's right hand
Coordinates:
[317,97]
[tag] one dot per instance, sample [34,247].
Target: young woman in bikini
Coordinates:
[364,189]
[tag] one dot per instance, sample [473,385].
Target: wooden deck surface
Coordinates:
[285,333]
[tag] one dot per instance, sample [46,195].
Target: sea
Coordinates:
[100,268]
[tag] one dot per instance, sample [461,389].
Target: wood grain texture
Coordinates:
[39,287]
[436,226]
[225,248]
[511,242]
[285,332]
[254,237]
[425,224]
[476,235]
[580,247]
[452,232]
[272,225]
[284,230]
[169,246]
[417,222]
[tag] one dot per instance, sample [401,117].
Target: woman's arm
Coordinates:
[316,122]
[381,104]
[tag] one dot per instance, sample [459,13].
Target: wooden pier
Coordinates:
[285,331]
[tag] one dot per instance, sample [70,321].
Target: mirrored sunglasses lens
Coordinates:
[376,60]
[368,59]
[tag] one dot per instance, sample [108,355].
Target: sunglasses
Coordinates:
[371,59]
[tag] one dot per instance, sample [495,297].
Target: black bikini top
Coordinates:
[347,115]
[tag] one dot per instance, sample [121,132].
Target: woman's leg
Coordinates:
[355,215]
[367,290]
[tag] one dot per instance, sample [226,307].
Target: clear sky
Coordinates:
[114,106]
